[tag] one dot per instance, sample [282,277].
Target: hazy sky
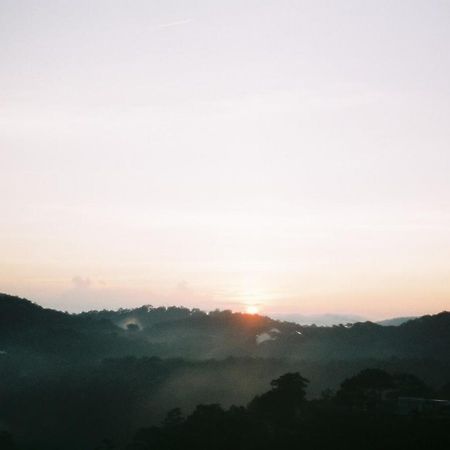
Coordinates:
[289,154]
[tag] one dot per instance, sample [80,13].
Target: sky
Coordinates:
[289,155]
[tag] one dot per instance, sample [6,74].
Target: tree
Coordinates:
[284,401]
[366,389]
[407,385]
[291,383]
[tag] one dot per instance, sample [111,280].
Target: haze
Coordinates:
[292,155]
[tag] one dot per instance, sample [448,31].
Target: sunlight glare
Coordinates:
[252,309]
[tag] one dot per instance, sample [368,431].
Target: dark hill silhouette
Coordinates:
[182,332]
[18,313]
[127,367]
[396,321]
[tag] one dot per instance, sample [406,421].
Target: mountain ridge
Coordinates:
[192,333]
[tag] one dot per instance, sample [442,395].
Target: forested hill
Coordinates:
[69,380]
[194,334]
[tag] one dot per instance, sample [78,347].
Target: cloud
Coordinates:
[173,24]
[263,337]
[270,335]
[86,293]
[81,283]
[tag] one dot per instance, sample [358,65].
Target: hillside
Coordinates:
[194,334]
[128,367]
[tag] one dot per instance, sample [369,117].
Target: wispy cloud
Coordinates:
[173,24]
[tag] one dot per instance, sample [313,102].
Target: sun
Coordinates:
[252,309]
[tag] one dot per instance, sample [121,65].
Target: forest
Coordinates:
[156,377]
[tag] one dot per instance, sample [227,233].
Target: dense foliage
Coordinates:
[282,418]
[67,381]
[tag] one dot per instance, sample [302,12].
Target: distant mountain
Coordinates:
[395,321]
[322,320]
